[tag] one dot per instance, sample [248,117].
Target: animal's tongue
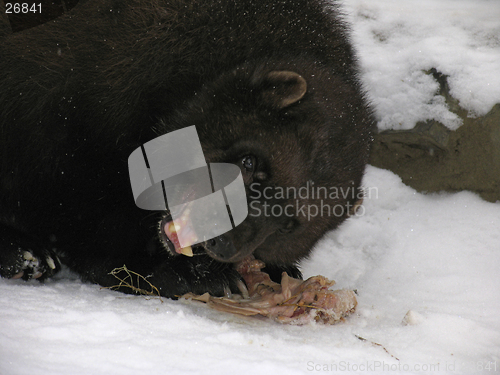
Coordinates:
[185,232]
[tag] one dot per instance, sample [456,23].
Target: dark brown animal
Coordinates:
[271,86]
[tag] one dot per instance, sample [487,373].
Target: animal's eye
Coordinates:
[249,163]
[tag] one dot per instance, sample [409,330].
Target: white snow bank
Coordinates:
[436,255]
[397,40]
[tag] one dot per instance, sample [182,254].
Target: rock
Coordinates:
[431,158]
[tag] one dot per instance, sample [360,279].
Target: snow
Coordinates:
[433,259]
[398,40]
[434,255]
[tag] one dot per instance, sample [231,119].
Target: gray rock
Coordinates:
[430,157]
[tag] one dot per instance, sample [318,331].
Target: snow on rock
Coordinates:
[398,40]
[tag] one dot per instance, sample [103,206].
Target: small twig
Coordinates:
[128,282]
[377,344]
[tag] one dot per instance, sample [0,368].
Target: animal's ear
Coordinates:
[283,88]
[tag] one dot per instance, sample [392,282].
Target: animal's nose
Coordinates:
[221,248]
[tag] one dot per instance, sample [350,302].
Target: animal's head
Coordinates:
[300,138]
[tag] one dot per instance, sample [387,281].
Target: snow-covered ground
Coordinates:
[437,255]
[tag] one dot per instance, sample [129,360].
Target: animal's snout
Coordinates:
[221,248]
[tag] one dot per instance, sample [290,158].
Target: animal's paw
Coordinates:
[28,264]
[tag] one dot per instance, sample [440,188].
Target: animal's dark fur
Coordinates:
[80,93]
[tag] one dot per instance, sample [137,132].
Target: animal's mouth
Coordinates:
[169,233]
[179,237]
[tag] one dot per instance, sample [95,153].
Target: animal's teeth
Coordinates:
[171,227]
[187,251]
[177,227]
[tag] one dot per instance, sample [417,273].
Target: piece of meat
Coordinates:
[293,301]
